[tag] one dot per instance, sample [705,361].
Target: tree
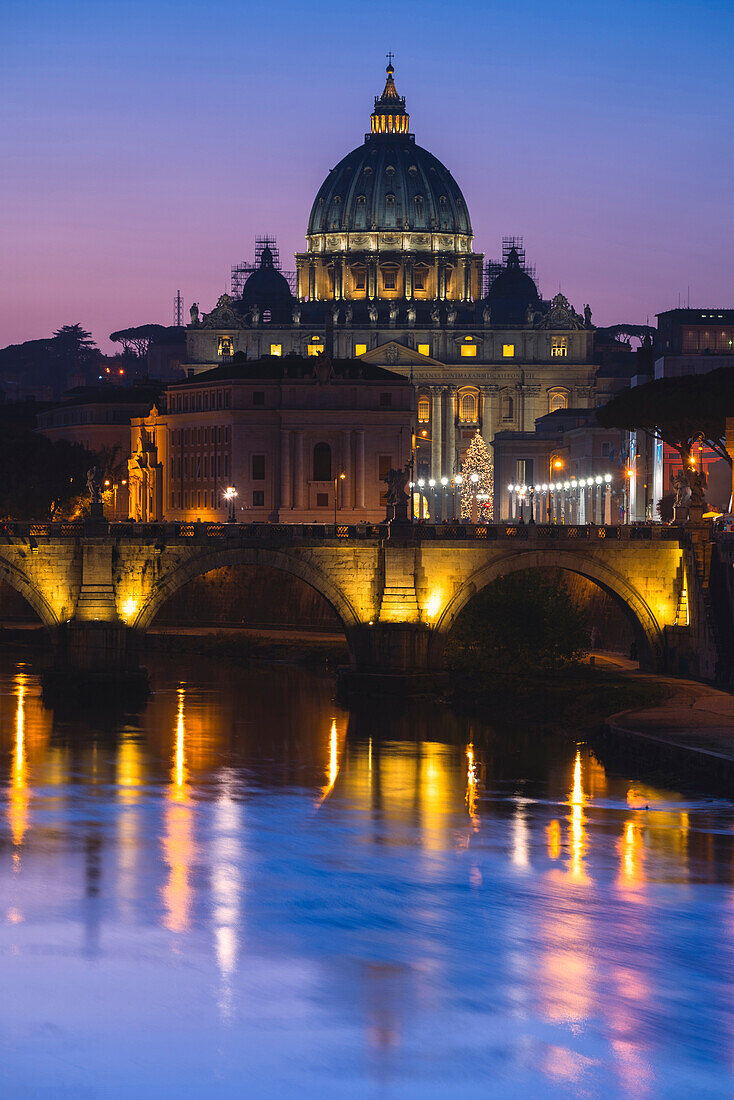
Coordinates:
[41,479]
[517,624]
[477,460]
[73,348]
[137,339]
[680,411]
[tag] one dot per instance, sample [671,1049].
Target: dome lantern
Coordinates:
[390,115]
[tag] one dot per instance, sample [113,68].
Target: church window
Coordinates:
[360,278]
[206,402]
[360,349]
[219,399]
[226,399]
[443,200]
[225,346]
[390,277]
[468,408]
[258,467]
[419,278]
[322,462]
[206,467]
[424,410]
[258,498]
[361,200]
[559,347]
[315,349]
[276,349]
[424,349]
[508,407]
[508,351]
[469,351]
[390,198]
[558,401]
[226,438]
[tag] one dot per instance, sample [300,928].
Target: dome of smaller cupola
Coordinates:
[267,288]
[512,292]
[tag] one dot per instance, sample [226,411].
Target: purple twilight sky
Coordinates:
[143,145]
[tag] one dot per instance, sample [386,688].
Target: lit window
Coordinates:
[559,348]
[315,349]
[424,349]
[468,408]
[424,410]
[558,401]
[469,350]
[508,350]
[360,349]
[276,349]
[360,278]
[225,346]
[390,278]
[419,278]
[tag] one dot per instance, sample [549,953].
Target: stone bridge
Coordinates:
[99,586]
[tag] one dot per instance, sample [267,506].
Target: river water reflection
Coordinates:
[245,890]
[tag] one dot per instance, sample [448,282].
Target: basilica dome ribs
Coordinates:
[389,222]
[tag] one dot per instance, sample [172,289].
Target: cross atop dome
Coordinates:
[390,115]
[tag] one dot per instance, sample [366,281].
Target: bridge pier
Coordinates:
[392,658]
[96,658]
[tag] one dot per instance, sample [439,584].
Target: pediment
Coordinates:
[394,354]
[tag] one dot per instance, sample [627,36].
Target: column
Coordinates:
[347,500]
[436,432]
[450,432]
[311,280]
[359,464]
[300,473]
[486,393]
[285,471]
[371,278]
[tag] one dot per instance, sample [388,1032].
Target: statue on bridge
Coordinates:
[397,496]
[690,496]
[93,486]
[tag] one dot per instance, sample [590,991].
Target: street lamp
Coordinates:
[444,501]
[337,479]
[458,481]
[432,487]
[230,495]
[474,478]
[421,485]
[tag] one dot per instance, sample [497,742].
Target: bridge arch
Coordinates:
[206,560]
[17,579]
[647,630]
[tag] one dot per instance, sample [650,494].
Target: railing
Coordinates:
[418,532]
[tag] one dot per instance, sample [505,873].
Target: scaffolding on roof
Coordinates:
[242,271]
[493,267]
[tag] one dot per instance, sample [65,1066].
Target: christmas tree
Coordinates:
[477,460]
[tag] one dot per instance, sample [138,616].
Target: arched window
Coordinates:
[424,410]
[468,408]
[558,401]
[322,462]
[508,407]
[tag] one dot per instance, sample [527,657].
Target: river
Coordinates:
[245,890]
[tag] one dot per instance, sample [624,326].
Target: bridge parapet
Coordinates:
[418,533]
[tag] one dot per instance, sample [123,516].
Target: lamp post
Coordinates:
[555,464]
[230,495]
[337,479]
[458,480]
[421,485]
[474,478]
[432,487]
[444,501]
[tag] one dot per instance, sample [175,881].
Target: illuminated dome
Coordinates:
[389,183]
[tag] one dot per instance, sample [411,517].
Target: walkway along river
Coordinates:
[247,890]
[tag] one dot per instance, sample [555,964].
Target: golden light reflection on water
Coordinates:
[577,823]
[472,782]
[19,793]
[333,767]
[178,838]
